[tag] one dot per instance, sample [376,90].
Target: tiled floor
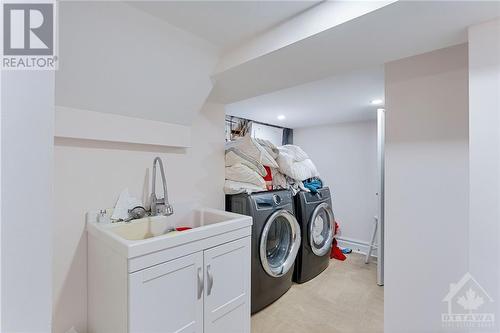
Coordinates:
[344,298]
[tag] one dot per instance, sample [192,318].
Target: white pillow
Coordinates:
[242,173]
[294,163]
[235,156]
[294,152]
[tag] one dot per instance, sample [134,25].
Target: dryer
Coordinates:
[276,240]
[317,223]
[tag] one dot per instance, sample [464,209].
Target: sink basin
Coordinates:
[156,233]
[154,226]
[145,228]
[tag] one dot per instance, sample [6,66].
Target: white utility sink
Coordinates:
[142,277]
[151,234]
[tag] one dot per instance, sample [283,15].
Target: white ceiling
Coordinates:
[341,98]
[224,23]
[181,35]
[396,31]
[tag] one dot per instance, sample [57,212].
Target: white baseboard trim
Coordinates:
[356,245]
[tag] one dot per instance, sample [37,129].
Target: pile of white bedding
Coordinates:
[294,163]
[247,158]
[245,161]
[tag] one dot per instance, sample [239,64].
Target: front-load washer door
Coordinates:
[321,229]
[279,243]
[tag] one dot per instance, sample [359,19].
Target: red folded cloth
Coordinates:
[268,178]
[336,252]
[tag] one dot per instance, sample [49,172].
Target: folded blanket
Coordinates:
[242,173]
[294,163]
[235,156]
[233,187]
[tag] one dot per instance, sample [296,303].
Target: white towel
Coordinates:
[124,203]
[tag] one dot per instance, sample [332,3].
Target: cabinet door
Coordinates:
[227,288]
[168,297]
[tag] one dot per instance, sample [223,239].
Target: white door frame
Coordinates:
[381,172]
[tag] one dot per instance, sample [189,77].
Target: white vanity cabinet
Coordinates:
[207,291]
[199,284]
[165,298]
[227,287]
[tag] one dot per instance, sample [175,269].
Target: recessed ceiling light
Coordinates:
[376,101]
[281,117]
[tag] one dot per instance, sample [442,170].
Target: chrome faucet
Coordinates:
[160,206]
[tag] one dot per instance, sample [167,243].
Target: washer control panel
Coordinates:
[272,200]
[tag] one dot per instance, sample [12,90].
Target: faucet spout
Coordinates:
[160,206]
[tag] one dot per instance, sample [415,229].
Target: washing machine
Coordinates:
[276,240]
[315,217]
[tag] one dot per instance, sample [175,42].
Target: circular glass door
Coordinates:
[321,229]
[279,243]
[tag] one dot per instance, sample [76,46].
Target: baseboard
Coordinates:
[356,245]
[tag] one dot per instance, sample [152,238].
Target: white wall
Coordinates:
[484,175]
[117,59]
[346,157]
[270,133]
[27,106]
[1,202]
[90,176]
[426,186]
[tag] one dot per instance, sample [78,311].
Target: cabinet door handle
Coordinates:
[200,282]
[210,278]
